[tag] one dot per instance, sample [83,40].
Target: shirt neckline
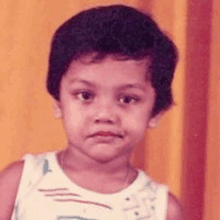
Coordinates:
[134,186]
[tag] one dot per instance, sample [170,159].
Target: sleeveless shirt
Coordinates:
[46,193]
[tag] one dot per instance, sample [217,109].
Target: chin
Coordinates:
[106,155]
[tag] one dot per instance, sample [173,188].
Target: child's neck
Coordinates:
[109,177]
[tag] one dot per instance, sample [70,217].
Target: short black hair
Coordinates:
[117,30]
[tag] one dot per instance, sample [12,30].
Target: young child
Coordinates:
[110,75]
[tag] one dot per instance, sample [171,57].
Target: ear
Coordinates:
[153,121]
[57,112]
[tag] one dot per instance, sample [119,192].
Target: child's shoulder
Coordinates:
[9,184]
[12,171]
[12,176]
[174,210]
[163,198]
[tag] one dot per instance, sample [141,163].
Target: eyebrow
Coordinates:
[131,86]
[121,87]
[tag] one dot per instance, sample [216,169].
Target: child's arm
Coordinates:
[175,211]
[9,183]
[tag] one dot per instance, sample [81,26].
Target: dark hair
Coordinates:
[117,30]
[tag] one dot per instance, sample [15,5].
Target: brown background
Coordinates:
[183,152]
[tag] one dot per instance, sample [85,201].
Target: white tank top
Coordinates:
[46,193]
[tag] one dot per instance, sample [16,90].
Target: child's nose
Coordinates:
[104,116]
[105,113]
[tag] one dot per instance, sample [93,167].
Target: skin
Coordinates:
[108,96]
[111,96]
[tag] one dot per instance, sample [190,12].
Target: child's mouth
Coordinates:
[106,134]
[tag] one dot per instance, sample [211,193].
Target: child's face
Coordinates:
[106,106]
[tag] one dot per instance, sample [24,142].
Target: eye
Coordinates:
[127,99]
[85,96]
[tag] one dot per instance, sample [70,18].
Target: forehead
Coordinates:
[109,70]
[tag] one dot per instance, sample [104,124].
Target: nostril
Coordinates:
[102,120]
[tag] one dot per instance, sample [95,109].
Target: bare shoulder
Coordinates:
[175,210]
[9,183]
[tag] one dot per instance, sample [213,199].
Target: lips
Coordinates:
[106,134]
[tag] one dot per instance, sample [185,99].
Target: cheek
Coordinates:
[137,123]
[72,116]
